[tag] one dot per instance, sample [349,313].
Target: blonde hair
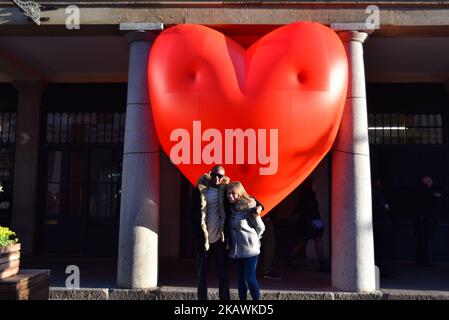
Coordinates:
[240,190]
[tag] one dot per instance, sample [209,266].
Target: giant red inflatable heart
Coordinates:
[292,82]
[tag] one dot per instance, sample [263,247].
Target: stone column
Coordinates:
[139,212]
[25,191]
[352,230]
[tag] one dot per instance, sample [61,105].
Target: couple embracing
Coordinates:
[226,223]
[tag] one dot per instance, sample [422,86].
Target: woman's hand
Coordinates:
[259,209]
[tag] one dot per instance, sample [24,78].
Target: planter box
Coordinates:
[9,261]
[27,285]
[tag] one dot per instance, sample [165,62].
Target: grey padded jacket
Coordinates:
[245,228]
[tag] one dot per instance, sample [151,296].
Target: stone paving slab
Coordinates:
[183,293]
[415,295]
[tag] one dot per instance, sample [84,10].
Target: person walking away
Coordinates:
[309,224]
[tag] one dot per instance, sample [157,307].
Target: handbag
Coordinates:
[317,224]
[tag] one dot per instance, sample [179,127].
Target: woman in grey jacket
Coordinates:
[245,230]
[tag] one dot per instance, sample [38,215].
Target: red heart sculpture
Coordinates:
[291,82]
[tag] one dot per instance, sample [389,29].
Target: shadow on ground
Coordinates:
[101,273]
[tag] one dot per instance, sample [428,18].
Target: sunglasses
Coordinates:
[219,176]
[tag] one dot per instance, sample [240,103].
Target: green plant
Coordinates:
[7,237]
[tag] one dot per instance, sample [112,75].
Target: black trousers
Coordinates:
[423,243]
[380,246]
[217,251]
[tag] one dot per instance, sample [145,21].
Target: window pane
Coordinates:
[440,139]
[424,120]
[417,131]
[86,131]
[79,128]
[406,128]
[122,127]
[432,122]
[1,124]
[64,127]
[116,129]
[72,127]
[432,135]
[409,120]
[74,199]
[108,129]
[99,201]
[76,167]
[5,131]
[53,198]
[411,139]
[93,127]
[12,131]
[6,161]
[56,127]
[402,128]
[394,128]
[101,127]
[87,128]
[425,135]
[416,120]
[54,166]
[439,120]
[379,131]
[50,122]
[100,166]
[386,128]
[371,136]
[371,125]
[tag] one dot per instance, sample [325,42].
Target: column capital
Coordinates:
[350,35]
[141,31]
[29,86]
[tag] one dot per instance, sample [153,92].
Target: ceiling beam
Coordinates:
[18,70]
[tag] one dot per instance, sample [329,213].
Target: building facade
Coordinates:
[82,172]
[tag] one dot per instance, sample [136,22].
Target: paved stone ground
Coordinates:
[177,281]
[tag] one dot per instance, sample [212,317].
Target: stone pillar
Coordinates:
[352,231]
[25,191]
[139,212]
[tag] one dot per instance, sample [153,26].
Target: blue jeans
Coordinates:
[246,275]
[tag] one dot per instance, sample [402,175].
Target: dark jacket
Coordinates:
[425,205]
[307,206]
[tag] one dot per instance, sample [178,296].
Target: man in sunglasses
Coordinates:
[207,217]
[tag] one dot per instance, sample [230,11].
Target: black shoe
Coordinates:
[272,275]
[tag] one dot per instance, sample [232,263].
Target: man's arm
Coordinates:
[259,204]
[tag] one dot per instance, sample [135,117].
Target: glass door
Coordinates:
[80,204]
[7,146]
[64,202]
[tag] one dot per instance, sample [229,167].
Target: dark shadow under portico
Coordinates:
[180,275]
